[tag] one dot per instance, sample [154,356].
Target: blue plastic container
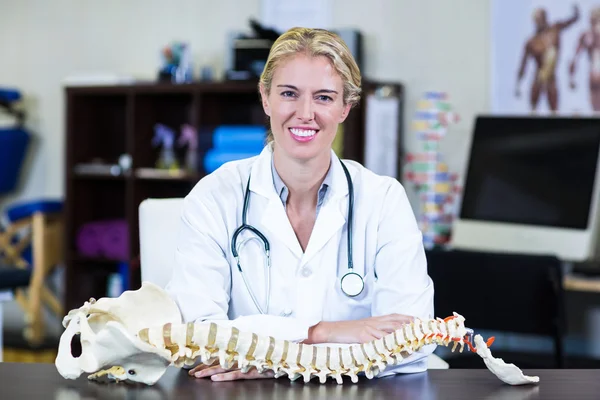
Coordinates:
[13,148]
[214,158]
[246,138]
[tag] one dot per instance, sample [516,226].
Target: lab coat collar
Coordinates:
[331,218]
[262,181]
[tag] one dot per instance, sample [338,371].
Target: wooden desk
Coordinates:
[42,381]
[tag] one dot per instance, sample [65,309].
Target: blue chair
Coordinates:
[14,142]
[31,236]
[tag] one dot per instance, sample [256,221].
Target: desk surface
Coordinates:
[42,381]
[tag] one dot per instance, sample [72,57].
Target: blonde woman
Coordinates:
[296,243]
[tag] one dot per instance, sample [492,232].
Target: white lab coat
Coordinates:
[207,285]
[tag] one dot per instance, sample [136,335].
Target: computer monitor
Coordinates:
[531,187]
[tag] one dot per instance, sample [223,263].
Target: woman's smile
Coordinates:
[303,134]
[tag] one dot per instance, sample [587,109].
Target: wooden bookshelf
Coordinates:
[106,122]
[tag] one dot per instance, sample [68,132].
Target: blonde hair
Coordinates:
[315,42]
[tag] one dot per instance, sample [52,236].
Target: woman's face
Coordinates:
[305,106]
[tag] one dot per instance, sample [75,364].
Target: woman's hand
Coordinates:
[216,373]
[357,331]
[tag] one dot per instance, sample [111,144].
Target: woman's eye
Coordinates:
[325,98]
[287,94]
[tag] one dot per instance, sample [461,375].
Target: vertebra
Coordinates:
[210,343]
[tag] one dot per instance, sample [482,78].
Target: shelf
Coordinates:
[97,176]
[224,108]
[98,125]
[143,174]
[93,200]
[146,87]
[171,110]
[106,262]
[103,123]
[161,188]
[153,174]
[86,281]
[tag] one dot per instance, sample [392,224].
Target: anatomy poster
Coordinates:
[545,57]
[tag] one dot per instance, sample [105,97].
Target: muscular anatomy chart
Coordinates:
[545,57]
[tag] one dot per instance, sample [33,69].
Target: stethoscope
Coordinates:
[352,283]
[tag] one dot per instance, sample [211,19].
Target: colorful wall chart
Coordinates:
[436,186]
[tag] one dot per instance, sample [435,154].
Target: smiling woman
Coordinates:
[304,109]
[339,256]
[300,55]
[309,84]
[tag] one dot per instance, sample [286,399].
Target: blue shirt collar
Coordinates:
[282,190]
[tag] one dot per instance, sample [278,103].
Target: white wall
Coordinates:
[435,44]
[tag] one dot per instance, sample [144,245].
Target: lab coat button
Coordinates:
[306,272]
[287,312]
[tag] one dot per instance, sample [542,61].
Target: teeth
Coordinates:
[303,132]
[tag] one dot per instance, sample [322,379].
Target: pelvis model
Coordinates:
[138,335]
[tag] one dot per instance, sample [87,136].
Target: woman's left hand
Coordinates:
[216,373]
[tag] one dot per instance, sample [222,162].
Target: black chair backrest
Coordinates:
[498,291]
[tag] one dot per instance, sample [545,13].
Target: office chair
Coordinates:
[159,223]
[501,292]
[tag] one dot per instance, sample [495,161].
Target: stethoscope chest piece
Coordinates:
[352,284]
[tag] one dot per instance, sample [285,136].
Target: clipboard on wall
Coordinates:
[383,145]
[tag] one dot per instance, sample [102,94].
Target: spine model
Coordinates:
[138,335]
[210,343]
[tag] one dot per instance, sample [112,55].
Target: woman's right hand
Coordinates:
[356,331]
